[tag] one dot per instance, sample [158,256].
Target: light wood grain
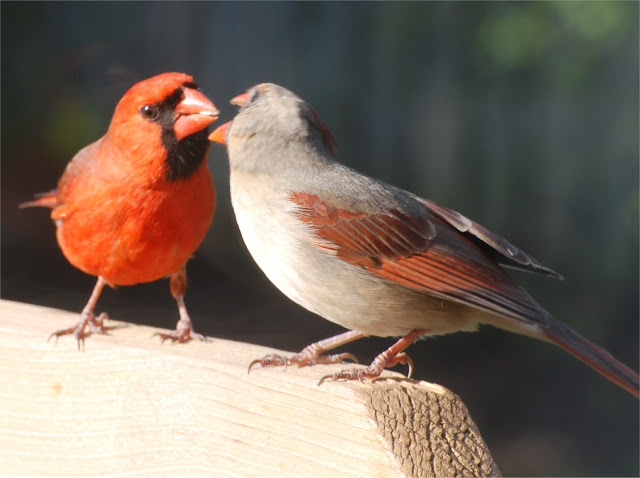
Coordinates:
[128,406]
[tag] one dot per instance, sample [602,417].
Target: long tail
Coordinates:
[596,357]
[48,199]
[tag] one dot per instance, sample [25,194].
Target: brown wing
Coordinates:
[361,238]
[422,252]
[501,250]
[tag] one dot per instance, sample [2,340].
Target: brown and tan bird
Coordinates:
[368,256]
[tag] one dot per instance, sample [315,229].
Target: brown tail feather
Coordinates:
[596,357]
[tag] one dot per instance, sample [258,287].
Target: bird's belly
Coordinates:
[139,240]
[345,294]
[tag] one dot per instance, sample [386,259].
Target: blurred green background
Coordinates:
[523,116]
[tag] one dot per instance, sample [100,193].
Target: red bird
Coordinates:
[133,206]
[368,256]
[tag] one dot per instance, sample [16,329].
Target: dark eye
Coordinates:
[254,95]
[150,112]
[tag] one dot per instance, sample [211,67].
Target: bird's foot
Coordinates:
[301,360]
[89,320]
[374,370]
[184,333]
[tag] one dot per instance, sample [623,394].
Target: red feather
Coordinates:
[48,199]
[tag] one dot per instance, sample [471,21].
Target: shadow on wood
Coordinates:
[129,405]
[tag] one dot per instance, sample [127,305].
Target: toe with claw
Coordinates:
[184,333]
[89,320]
[372,371]
[350,374]
[301,360]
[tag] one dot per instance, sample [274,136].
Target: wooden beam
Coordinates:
[129,405]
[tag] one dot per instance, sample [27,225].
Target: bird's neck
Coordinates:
[184,156]
[277,159]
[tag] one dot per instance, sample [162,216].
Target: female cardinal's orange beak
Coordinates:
[219,135]
[240,100]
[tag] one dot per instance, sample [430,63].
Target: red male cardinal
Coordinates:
[368,256]
[133,206]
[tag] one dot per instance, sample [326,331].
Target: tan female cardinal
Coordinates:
[133,206]
[368,256]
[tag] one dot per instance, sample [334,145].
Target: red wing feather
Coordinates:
[48,199]
[402,249]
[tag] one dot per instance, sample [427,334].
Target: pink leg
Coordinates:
[88,318]
[184,328]
[390,357]
[312,354]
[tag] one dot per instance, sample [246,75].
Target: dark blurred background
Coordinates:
[523,116]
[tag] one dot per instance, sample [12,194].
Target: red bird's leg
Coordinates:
[387,359]
[312,354]
[88,318]
[184,329]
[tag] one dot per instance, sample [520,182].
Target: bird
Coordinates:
[371,257]
[133,206]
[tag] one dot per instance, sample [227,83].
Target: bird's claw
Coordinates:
[180,336]
[184,332]
[402,358]
[300,360]
[271,360]
[372,371]
[350,374]
[95,325]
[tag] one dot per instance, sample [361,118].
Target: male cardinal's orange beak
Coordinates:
[219,135]
[194,113]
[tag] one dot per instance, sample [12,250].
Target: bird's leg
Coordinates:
[184,329]
[390,357]
[96,325]
[312,354]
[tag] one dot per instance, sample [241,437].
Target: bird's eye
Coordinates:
[150,112]
[254,95]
